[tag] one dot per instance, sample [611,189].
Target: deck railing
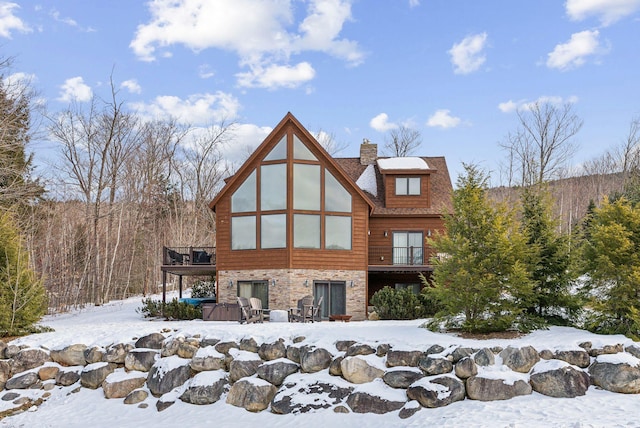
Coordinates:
[399,256]
[189,256]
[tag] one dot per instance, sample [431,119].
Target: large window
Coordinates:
[334,297]
[408,248]
[244,198]
[336,197]
[273,187]
[337,232]
[306,187]
[259,289]
[407,185]
[306,231]
[243,233]
[273,231]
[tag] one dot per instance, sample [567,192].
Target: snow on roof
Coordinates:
[367,181]
[402,163]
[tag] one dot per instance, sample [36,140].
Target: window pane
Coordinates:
[244,289]
[338,300]
[306,231]
[279,152]
[300,151]
[243,233]
[260,290]
[273,187]
[336,197]
[337,232]
[306,187]
[414,185]
[273,230]
[244,198]
[401,186]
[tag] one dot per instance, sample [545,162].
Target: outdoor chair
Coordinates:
[248,315]
[304,311]
[256,307]
[316,311]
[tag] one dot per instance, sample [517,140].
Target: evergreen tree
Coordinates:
[22,295]
[612,263]
[483,275]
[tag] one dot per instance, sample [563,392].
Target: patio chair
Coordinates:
[247,315]
[316,314]
[304,311]
[256,307]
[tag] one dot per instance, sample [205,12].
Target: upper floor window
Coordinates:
[244,198]
[407,185]
[336,197]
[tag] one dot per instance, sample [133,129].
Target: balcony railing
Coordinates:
[399,256]
[189,256]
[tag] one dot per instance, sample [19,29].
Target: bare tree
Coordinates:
[402,141]
[543,143]
[328,141]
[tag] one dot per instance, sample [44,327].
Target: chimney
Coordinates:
[368,153]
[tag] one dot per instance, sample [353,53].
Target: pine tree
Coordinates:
[483,274]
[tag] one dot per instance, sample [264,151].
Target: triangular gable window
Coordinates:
[244,198]
[279,152]
[300,151]
[336,197]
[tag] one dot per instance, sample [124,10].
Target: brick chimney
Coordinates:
[368,153]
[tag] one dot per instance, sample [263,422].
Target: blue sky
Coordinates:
[455,70]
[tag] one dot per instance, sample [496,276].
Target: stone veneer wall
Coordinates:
[290,286]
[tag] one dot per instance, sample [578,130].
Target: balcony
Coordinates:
[189,260]
[399,258]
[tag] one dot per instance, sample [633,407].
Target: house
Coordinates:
[294,221]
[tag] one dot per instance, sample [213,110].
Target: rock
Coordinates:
[438,392]
[205,387]
[253,395]
[249,345]
[67,377]
[209,341]
[5,373]
[561,382]
[383,349]
[466,368]
[11,351]
[117,353]
[403,358]
[137,396]
[276,371]
[299,339]
[141,359]
[272,351]
[358,370]
[225,347]
[48,372]
[243,368]
[27,359]
[120,385]
[150,341]
[187,349]
[340,409]
[293,353]
[22,381]
[605,350]
[169,348]
[633,350]
[409,409]
[363,402]
[434,349]
[434,366]
[334,367]
[484,357]
[546,354]
[460,353]
[520,359]
[314,359]
[94,374]
[359,349]
[402,378]
[300,397]
[485,389]
[9,396]
[208,358]
[72,355]
[3,350]
[343,345]
[48,387]
[168,373]
[577,358]
[94,354]
[163,404]
[615,377]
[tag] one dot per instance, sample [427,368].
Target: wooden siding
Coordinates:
[423,200]
[378,225]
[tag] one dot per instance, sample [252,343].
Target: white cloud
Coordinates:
[10,22]
[467,56]
[381,123]
[414,3]
[608,11]
[132,86]
[263,34]
[245,139]
[277,76]
[508,106]
[205,72]
[197,110]
[66,20]
[75,89]
[511,106]
[573,54]
[443,119]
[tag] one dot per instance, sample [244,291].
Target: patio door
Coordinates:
[334,295]
[407,248]
[259,289]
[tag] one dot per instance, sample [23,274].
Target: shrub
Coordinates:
[172,310]
[203,289]
[391,304]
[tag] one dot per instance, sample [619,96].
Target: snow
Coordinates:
[120,374]
[208,378]
[239,355]
[367,181]
[118,322]
[442,391]
[619,358]
[208,351]
[543,366]
[402,163]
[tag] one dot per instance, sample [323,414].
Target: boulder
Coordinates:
[272,351]
[434,349]
[633,350]
[364,402]
[225,347]
[209,341]
[293,353]
[117,353]
[400,378]
[5,373]
[120,385]
[358,370]
[3,349]
[48,372]
[434,366]
[403,358]
[249,345]
[72,355]
[27,359]
[343,345]
[334,367]
[168,373]
[484,357]
[314,359]
[135,397]
[466,368]
[606,350]
[486,389]
[302,397]
[437,392]
[546,354]
[359,349]
[615,376]
[243,367]
[520,359]
[141,359]
[164,403]
[22,381]
[150,341]
[252,394]
[11,351]
[67,377]
[276,371]
[94,374]
[383,349]
[169,348]
[187,349]
[409,409]
[461,352]
[94,354]
[562,381]
[208,358]
[205,387]
[577,358]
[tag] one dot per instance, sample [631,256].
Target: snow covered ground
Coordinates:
[118,322]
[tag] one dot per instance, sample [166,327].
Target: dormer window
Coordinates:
[407,186]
